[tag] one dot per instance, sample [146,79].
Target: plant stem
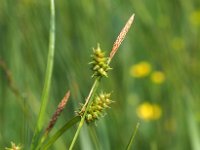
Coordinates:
[88,102]
[86,107]
[133,136]
[48,76]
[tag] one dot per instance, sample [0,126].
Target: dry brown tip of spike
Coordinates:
[121,36]
[58,111]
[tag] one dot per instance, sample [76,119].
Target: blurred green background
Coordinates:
[164,36]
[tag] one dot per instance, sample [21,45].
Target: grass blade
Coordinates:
[133,136]
[60,132]
[48,76]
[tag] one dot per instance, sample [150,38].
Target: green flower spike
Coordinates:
[99,63]
[97,108]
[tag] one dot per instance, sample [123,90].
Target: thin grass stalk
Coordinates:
[48,76]
[133,137]
[193,130]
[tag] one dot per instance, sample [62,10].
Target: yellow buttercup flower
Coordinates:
[195,18]
[147,111]
[141,69]
[157,77]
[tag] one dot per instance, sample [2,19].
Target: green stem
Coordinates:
[48,76]
[133,136]
[88,103]
[60,132]
[86,107]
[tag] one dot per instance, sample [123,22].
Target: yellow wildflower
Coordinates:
[141,69]
[147,111]
[157,77]
[195,18]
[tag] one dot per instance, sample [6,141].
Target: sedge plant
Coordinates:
[96,103]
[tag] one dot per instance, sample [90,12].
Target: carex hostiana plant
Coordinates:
[95,105]
[100,67]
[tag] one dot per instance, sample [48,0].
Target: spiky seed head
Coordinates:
[99,63]
[97,108]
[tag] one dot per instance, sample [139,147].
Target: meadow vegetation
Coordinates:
[154,78]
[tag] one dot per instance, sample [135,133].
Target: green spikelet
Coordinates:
[99,63]
[97,108]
